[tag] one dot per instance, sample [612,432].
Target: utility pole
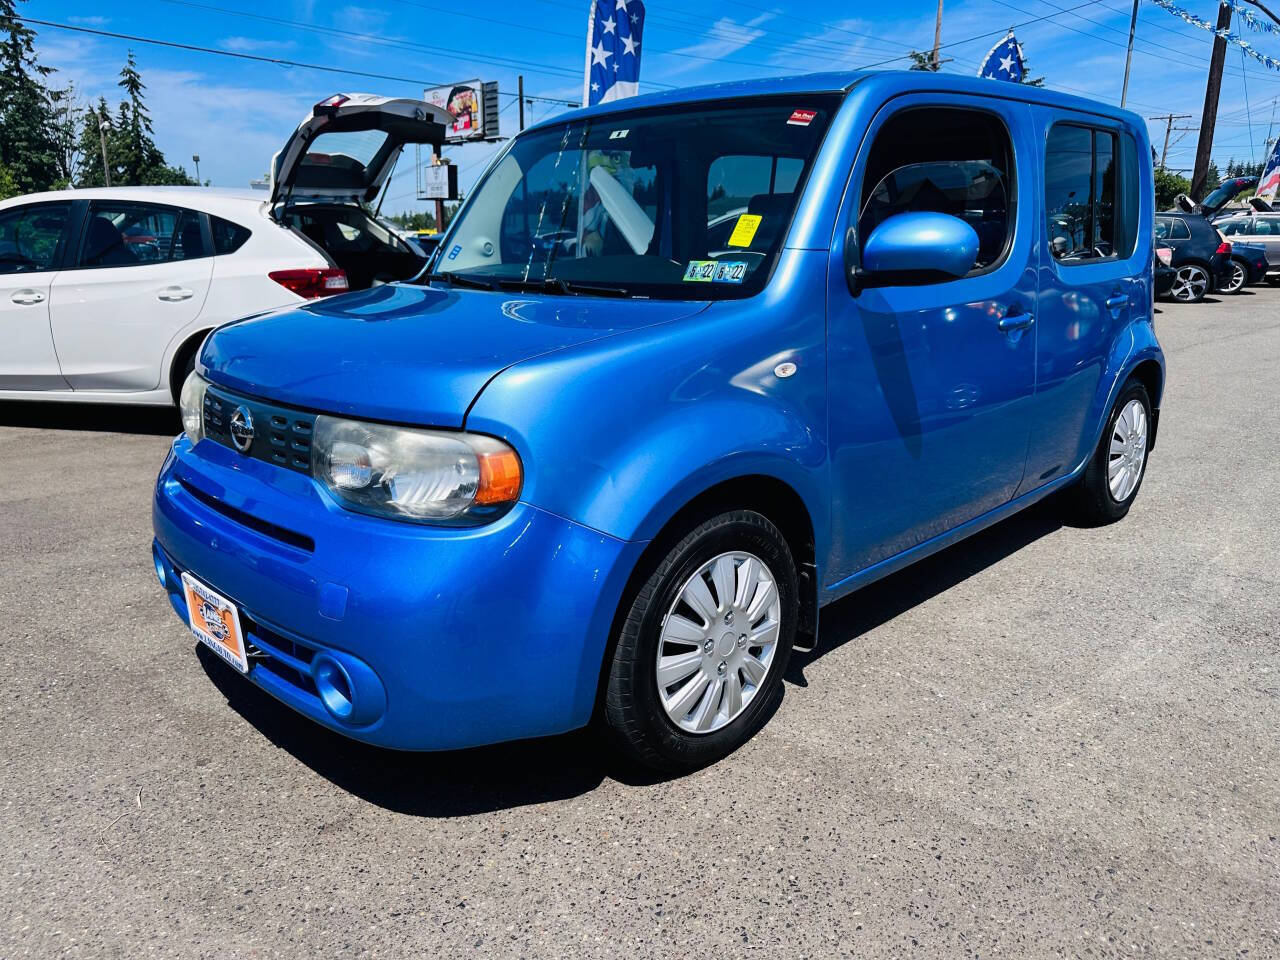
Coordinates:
[102,136]
[1168,119]
[1133,25]
[1209,116]
[937,38]
[435,160]
[520,94]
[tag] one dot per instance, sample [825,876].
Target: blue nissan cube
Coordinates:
[685,368]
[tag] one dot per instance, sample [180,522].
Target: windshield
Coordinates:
[690,202]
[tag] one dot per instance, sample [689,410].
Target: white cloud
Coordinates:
[724,37]
[254,45]
[90,21]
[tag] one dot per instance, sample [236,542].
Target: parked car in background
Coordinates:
[615,475]
[1164,272]
[1248,265]
[1201,258]
[1256,229]
[106,294]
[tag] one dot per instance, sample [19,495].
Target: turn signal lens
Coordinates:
[500,477]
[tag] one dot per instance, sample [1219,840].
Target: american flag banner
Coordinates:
[1004,62]
[1269,182]
[613,50]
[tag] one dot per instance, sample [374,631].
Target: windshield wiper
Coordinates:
[465,280]
[560,285]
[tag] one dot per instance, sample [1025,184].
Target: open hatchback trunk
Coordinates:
[332,169]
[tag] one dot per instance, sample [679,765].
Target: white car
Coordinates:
[106,294]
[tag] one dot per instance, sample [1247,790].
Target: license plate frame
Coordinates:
[215,621]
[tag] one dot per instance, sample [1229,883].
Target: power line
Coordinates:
[277,61]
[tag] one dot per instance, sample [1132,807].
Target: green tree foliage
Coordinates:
[27,147]
[421,219]
[134,158]
[1168,186]
[922,61]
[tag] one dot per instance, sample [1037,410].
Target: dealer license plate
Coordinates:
[215,621]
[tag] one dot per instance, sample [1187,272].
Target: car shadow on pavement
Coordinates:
[107,418]
[882,601]
[481,780]
[442,784]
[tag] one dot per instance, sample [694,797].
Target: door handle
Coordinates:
[1015,321]
[28,297]
[174,294]
[1117,300]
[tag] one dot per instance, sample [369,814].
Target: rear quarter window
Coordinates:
[228,237]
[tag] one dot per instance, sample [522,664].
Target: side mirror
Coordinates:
[919,243]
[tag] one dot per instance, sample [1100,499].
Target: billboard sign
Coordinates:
[473,106]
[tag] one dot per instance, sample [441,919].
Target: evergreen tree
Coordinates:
[922,61]
[27,148]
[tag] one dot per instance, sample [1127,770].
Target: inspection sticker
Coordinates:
[730,271]
[745,230]
[802,118]
[700,271]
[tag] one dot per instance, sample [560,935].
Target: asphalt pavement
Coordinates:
[1047,741]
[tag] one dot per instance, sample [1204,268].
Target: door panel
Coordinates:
[142,276]
[32,239]
[929,396]
[1083,305]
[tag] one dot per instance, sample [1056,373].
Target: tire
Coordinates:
[1190,283]
[673,727]
[1237,278]
[1099,498]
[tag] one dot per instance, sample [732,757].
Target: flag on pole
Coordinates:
[1269,182]
[613,50]
[1004,62]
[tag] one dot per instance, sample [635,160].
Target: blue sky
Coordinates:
[235,114]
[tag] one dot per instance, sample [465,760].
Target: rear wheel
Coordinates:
[1111,481]
[700,656]
[1237,277]
[1190,283]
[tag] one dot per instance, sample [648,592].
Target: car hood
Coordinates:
[409,354]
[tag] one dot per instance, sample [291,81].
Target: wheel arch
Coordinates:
[762,493]
[178,366]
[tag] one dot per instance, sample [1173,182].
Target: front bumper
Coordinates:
[475,635]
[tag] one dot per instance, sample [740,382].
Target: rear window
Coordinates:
[228,237]
[341,159]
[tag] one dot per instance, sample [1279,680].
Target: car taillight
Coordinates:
[1224,247]
[1165,254]
[312,282]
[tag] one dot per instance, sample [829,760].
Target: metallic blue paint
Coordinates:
[917,415]
[920,242]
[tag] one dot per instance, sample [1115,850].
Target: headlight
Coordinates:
[429,476]
[191,403]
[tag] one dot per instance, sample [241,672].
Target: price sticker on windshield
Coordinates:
[745,230]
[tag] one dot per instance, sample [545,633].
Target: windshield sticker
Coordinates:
[453,254]
[802,118]
[700,271]
[745,231]
[716,271]
[619,134]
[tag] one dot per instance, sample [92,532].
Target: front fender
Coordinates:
[619,434]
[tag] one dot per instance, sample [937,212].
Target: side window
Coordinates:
[964,167]
[188,239]
[1163,226]
[1267,226]
[228,237]
[32,238]
[1091,194]
[1179,230]
[1235,227]
[127,234]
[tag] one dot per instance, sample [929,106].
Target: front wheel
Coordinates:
[701,652]
[1114,474]
[1190,283]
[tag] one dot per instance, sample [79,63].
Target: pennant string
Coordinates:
[1250,20]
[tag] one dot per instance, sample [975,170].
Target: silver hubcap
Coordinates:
[1237,277]
[718,642]
[1128,451]
[1190,283]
